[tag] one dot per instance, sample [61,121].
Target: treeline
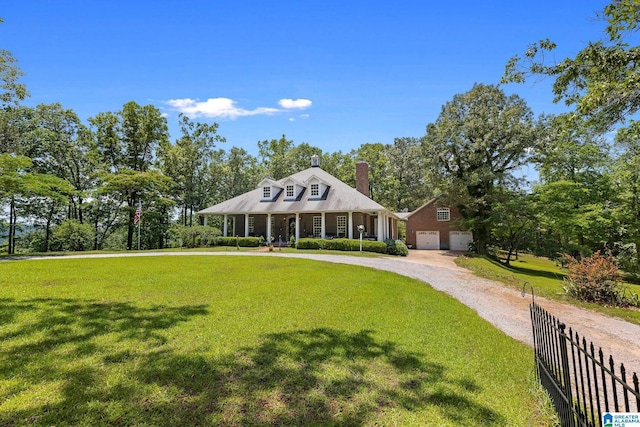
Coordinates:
[77,185]
[79,182]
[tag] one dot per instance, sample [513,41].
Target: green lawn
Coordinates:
[547,279]
[203,340]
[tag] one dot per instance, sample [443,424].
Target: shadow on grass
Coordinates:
[84,363]
[531,272]
[313,377]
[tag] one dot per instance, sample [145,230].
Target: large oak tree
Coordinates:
[479,139]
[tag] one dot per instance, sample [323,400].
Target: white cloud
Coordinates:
[216,107]
[304,116]
[295,103]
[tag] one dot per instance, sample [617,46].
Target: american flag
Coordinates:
[136,218]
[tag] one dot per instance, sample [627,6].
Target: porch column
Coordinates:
[297,226]
[323,225]
[206,217]
[268,236]
[246,225]
[350,225]
[224,226]
[380,227]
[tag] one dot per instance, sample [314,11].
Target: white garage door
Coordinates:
[427,240]
[459,240]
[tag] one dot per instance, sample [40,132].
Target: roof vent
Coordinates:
[315,161]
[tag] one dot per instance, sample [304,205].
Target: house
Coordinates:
[310,203]
[436,225]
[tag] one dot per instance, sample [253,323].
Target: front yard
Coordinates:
[248,341]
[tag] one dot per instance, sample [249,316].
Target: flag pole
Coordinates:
[139,221]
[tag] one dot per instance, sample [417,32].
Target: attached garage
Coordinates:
[459,240]
[428,240]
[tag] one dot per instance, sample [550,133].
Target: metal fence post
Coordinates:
[566,375]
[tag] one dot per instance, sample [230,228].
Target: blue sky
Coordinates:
[334,74]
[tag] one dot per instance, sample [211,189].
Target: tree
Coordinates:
[10,90]
[407,169]
[601,81]
[187,163]
[59,144]
[627,174]
[17,181]
[382,181]
[478,140]
[126,144]
[272,157]
[513,221]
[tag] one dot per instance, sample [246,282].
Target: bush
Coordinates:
[71,235]
[342,245]
[196,236]
[396,247]
[309,243]
[244,242]
[596,279]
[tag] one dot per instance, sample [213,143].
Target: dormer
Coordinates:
[317,188]
[292,189]
[270,189]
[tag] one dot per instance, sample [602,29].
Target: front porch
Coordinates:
[281,226]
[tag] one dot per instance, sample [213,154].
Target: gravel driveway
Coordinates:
[503,307]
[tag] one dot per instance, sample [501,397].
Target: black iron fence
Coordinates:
[582,384]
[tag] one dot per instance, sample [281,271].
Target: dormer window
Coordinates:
[290,192]
[266,192]
[315,190]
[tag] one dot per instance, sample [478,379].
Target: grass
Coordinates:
[168,341]
[547,279]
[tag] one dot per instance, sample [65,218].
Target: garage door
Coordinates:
[427,240]
[459,240]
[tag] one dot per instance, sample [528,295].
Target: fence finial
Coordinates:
[533,295]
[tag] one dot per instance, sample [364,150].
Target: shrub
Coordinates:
[244,242]
[396,247]
[596,279]
[342,245]
[71,235]
[309,243]
[196,236]
[373,246]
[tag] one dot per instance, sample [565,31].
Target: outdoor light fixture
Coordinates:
[361,230]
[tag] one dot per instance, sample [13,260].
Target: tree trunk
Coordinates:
[47,231]
[12,226]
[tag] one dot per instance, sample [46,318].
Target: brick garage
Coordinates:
[436,225]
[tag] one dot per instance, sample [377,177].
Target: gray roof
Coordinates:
[340,197]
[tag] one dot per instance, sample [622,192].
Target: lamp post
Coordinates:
[361,230]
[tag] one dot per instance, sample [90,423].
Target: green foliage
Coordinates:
[194,237]
[71,235]
[243,242]
[601,80]
[596,279]
[479,138]
[309,243]
[396,247]
[342,245]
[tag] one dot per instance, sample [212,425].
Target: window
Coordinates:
[315,190]
[266,192]
[251,225]
[443,214]
[342,226]
[289,190]
[317,226]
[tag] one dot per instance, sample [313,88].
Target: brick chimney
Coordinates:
[362,177]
